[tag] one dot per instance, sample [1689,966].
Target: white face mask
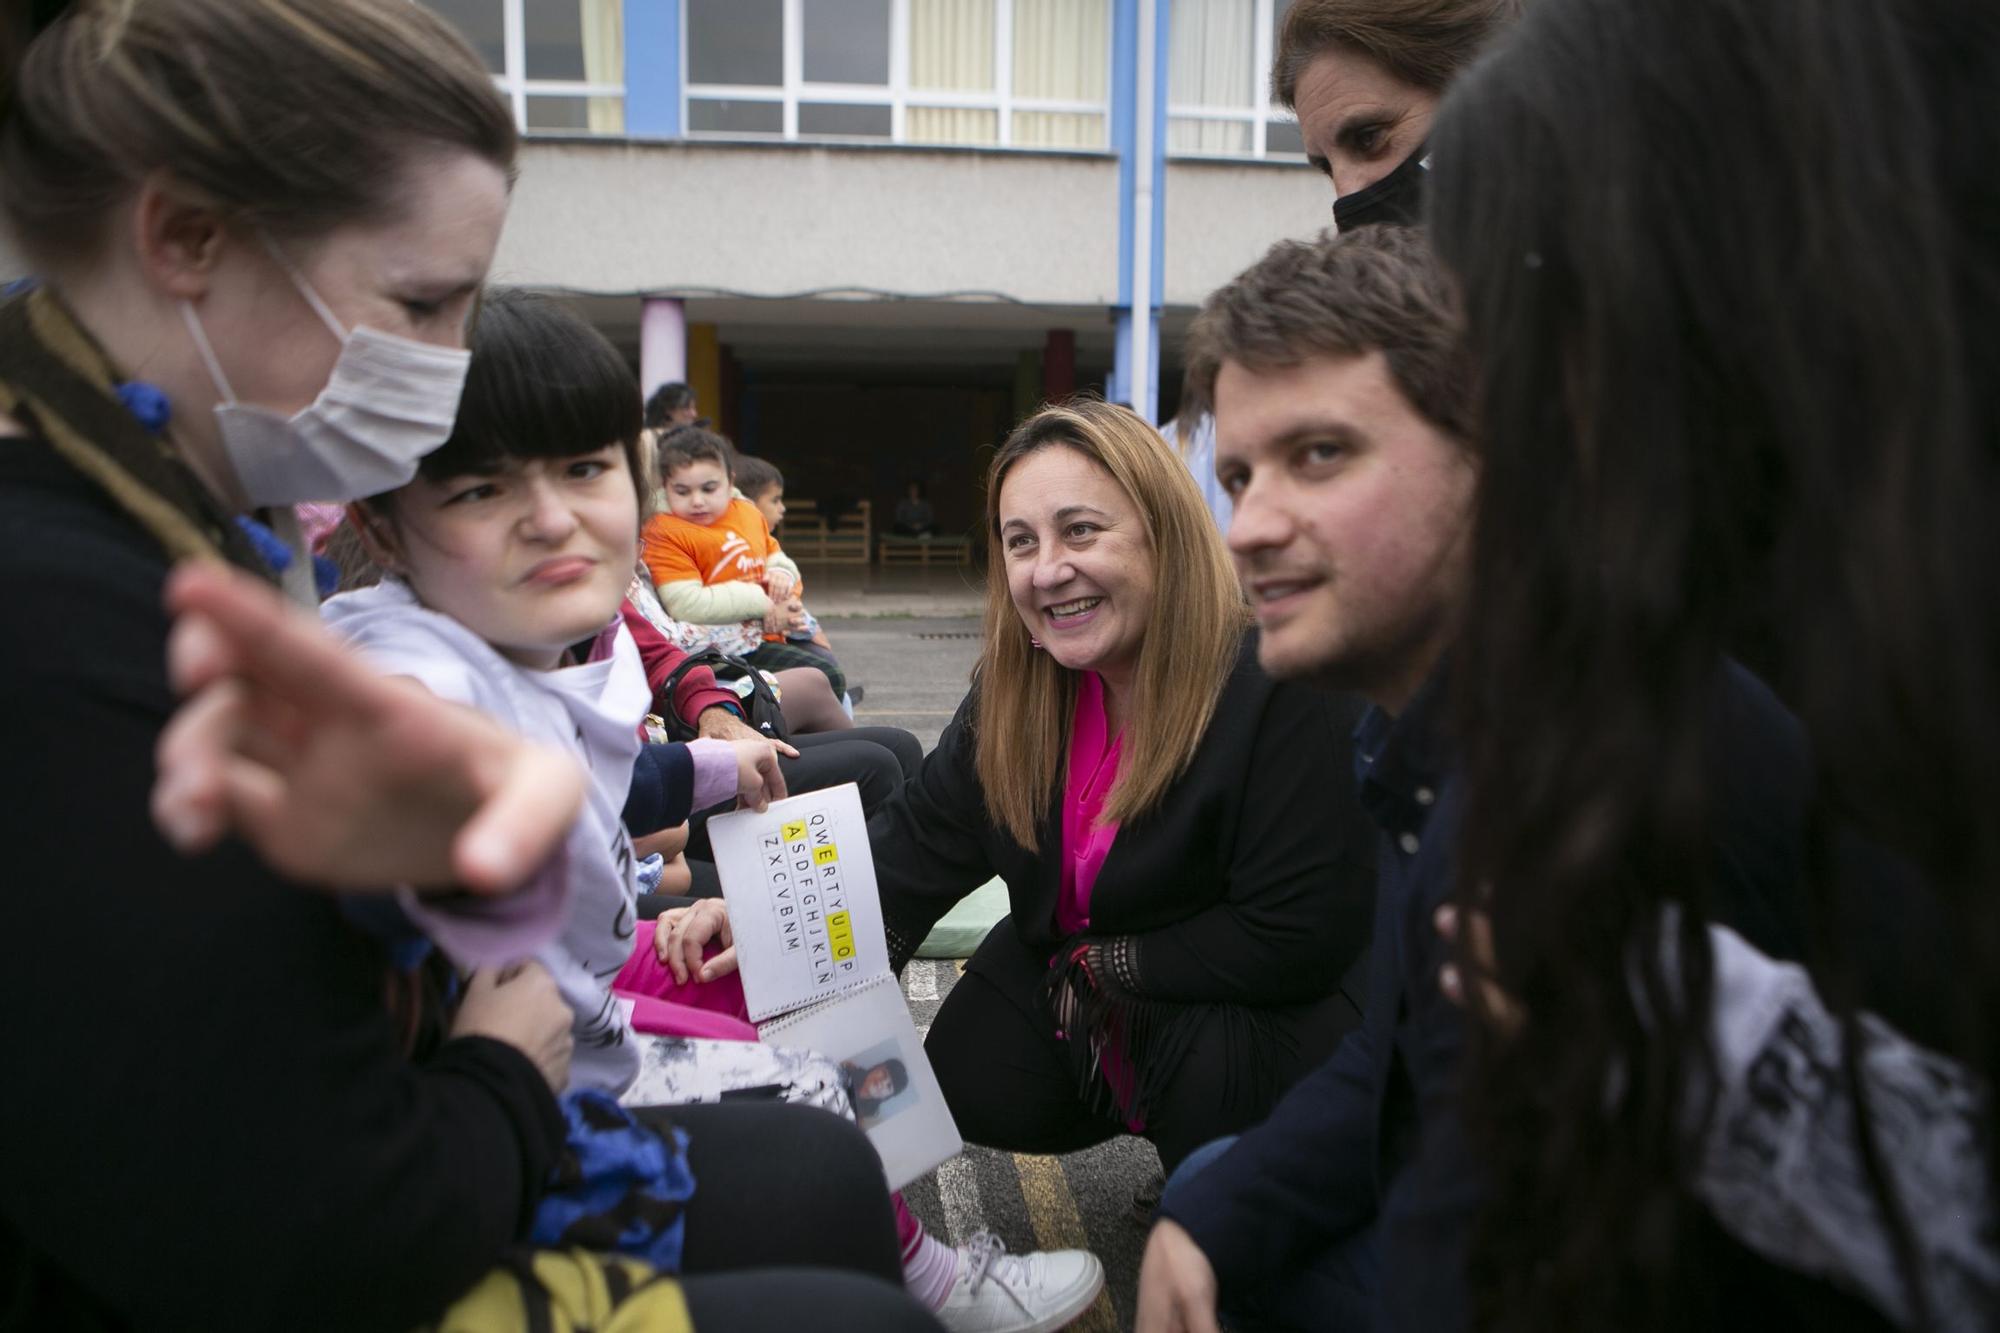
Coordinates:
[390,401]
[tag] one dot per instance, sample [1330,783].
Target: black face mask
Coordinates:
[1397,198]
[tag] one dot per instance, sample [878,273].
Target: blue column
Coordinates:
[1125,113]
[1124,141]
[653,69]
[1161,64]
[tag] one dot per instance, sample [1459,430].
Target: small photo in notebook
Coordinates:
[878,1079]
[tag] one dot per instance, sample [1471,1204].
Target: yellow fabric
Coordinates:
[604,60]
[569,1291]
[1061,53]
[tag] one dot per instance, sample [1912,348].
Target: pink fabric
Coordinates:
[317,521]
[909,1231]
[1094,759]
[670,1008]
[715,1009]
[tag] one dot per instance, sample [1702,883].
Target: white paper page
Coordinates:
[800,884]
[871,1032]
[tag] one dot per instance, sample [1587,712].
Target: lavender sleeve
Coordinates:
[714,772]
[475,930]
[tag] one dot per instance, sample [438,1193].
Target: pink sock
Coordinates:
[929,1265]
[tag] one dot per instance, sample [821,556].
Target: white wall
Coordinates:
[691,218]
[694,218]
[784,220]
[1222,217]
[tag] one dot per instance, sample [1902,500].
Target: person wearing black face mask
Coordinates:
[1364,78]
[1396,199]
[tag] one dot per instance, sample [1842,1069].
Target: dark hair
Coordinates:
[542,384]
[1731,275]
[692,444]
[1424,43]
[754,475]
[665,401]
[899,1079]
[282,114]
[1371,289]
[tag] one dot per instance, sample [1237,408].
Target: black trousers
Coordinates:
[878,760]
[782,1186]
[1009,1082]
[801,1298]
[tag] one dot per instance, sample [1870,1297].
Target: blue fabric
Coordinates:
[147,403]
[619,1185]
[273,551]
[1337,1291]
[662,790]
[1305,1189]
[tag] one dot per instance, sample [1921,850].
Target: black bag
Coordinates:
[760,709]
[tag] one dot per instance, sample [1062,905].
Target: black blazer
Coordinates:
[1251,883]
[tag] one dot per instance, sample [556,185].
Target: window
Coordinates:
[992,73]
[561,62]
[1218,81]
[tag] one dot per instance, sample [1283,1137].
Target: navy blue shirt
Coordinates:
[1327,1162]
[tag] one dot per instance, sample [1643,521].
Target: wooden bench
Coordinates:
[810,537]
[924,551]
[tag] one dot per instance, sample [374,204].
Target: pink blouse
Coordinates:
[1094,758]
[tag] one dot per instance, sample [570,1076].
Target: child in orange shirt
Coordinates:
[710,555]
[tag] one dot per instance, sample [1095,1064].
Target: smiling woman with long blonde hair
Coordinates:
[1188,873]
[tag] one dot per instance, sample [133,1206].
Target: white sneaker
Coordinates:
[998,1292]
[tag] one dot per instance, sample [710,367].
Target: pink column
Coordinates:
[662,342]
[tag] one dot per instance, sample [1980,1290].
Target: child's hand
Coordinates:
[779,583]
[795,614]
[758,781]
[682,934]
[521,1006]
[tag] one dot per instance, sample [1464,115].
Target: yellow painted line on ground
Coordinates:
[1058,1226]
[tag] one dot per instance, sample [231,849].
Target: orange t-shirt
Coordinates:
[731,549]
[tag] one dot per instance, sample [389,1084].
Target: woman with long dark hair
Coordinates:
[1732,270]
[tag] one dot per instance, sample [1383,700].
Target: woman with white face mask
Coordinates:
[258,228]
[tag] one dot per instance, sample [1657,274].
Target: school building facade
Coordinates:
[872,233]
